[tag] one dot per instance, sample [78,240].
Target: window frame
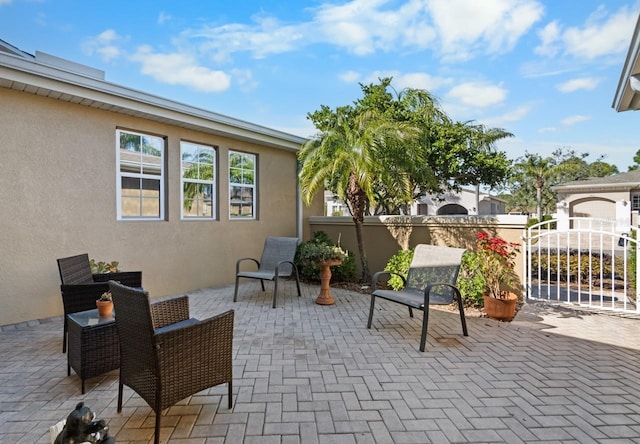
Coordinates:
[253,186]
[213,182]
[161,178]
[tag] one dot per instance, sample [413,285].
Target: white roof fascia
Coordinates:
[43,76]
[626,98]
[597,187]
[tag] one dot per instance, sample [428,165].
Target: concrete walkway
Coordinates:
[305,373]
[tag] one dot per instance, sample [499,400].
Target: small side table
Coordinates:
[94,347]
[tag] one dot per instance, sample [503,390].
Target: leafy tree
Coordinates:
[636,160]
[534,175]
[381,153]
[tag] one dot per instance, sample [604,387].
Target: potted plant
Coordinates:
[325,256]
[103,267]
[105,304]
[495,260]
[321,253]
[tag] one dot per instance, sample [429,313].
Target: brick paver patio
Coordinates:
[305,373]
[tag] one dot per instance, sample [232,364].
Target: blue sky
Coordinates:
[545,70]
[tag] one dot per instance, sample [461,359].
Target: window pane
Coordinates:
[152,146]
[130,186]
[247,177]
[130,206]
[189,152]
[151,165]
[150,207]
[130,142]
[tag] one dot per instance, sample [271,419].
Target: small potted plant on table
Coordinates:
[105,304]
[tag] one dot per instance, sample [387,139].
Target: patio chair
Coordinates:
[166,356]
[276,262]
[80,288]
[431,280]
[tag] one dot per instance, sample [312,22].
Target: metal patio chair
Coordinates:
[431,280]
[276,262]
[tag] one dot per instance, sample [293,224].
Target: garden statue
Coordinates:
[81,427]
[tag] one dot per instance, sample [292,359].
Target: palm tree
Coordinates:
[538,169]
[344,155]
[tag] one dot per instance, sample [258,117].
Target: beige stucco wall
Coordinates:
[58,198]
[385,235]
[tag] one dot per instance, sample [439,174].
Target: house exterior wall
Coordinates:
[58,198]
[602,204]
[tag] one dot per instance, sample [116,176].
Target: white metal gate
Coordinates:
[592,264]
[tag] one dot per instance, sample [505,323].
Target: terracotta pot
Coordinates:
[503,309]
[105,308]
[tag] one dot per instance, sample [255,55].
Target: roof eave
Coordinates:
[26,75]
[626,98]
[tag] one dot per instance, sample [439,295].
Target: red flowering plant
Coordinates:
[496,260]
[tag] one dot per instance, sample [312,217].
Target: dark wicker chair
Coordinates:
[80,289]
[165,356]
[431,280]
[276,262]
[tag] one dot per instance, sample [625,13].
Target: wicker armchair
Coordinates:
[431,280]
[80,289]
[165,356]
[276,262]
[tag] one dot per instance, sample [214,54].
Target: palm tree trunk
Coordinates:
[539,202]
[358,202]
[364,263]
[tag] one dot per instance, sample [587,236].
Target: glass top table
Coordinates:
[94,347]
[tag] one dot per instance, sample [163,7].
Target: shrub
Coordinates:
[471,284]
[399,263]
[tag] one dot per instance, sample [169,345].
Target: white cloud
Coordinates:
[583,83]
[601,35]
[416,80]
[181,69]
[420,80]
[469,27]
[512,116]
[5,2]
[462,28]
[548,129]
[106,45]
[549,36]
[598,38]
[244,79]
[162,18]
[349,76]
[478,94]
[574,119]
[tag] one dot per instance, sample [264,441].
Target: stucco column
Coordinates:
[623,215]
[562,210]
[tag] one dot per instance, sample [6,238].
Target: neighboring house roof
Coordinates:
[628,92]
[49,76]
[627,181]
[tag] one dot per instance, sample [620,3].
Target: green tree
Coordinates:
[388,148]
[534,175]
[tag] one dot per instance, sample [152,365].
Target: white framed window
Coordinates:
[635,202]
[198,173]
[242,185]
[140,180]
